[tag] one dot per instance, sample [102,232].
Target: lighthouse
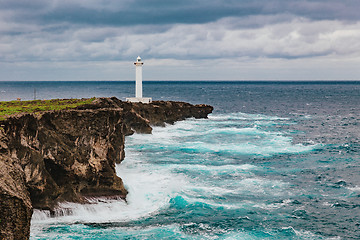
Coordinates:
[138,73]
[138,84]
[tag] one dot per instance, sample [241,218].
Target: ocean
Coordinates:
[275,160]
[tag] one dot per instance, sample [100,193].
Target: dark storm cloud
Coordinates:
[135,14]
[22,4]
[186,30]
[125,13]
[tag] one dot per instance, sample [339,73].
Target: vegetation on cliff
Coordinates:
[48,157]
[13,107]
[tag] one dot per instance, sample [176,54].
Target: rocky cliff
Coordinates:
[70,155]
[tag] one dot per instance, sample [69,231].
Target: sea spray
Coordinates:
[316,190]
[186,173]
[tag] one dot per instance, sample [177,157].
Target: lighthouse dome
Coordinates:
[138,59]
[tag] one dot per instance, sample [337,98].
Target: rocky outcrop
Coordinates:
[70,155]
[15,203]
[156,113]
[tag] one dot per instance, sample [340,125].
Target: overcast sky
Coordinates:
[180,39]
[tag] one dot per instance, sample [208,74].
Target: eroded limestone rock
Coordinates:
[70,155]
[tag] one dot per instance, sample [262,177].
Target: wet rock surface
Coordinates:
[70,155]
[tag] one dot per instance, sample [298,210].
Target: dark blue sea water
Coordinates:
[274,161]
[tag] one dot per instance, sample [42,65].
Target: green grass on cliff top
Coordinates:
[13,107]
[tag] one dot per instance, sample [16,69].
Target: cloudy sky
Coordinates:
[180,39]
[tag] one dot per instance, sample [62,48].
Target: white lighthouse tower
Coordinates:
[138,85]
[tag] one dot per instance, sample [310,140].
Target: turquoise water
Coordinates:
[274,161]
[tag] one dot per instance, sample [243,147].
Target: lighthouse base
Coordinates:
[142,100]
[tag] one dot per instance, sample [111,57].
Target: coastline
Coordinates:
[70,155]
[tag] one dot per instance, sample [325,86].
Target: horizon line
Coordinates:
[193,81]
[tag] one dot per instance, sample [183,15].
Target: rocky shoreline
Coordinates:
[70,155]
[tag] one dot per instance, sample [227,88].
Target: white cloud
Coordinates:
[295,39]
[263,51]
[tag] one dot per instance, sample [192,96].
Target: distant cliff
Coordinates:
[70,155]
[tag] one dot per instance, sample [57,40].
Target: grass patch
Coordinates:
[10,108]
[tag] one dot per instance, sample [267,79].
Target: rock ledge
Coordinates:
[70,155]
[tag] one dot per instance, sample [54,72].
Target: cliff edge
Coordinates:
[70,155]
